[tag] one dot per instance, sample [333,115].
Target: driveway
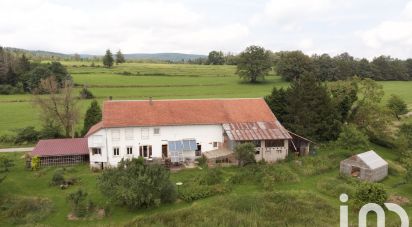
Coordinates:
[16,149]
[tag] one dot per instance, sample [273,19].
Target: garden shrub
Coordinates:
[6,89]
[134,184]
[168,193]
[370,193]
[192,192]
[57,178]
[211,177]
[80,205]
[35,163]
[25,210]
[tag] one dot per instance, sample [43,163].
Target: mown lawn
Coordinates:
[311,196]
[160,81]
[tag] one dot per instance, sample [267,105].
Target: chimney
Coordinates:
[150,100]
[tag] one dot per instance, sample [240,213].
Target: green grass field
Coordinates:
[160,81]
[312,198]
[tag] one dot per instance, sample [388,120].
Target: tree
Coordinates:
[405,130]
[245,153]
[345,66]
[397,106]
[293,64]
[277,102]
[59,105]
[216,58]
[352,139]
[119,57]
[324,67]
[254,63]
[310,110]
[367,113]
[108,59]
[5,164]
[92,117]
[135,184]
[86,93]
[344,95]
[79,203]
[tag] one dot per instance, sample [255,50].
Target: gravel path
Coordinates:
[16,149]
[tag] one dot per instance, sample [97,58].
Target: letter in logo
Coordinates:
[344,211]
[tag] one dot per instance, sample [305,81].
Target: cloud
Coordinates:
[391,36]
[134,26]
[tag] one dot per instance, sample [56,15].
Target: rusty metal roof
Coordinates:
[249,131]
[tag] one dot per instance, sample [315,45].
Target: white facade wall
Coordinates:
[108,139]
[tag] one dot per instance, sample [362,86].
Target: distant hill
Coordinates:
[164,56]
[135,56]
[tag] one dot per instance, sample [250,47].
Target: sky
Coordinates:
[363,28]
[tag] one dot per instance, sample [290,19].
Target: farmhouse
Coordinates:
[61,151]
[367,166]
[179,131]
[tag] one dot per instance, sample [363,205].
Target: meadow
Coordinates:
[160,81]
[303,192]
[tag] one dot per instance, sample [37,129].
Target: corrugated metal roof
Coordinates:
[372,160]
[61,147]
[217,153]
[260,130]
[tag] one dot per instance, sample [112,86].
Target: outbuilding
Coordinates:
[55,152]
[367,166]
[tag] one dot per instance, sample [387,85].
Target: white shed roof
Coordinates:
[372,160]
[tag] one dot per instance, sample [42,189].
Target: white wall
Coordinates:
[203,134]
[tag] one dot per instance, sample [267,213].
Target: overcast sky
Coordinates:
[364,28]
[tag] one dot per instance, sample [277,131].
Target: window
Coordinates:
[115,134]
[145,133]
[129,133]
[96,150]
[156,131]
[215,144]
[129,150]
[145,151]
[116,151]
[274,143]
[257,151]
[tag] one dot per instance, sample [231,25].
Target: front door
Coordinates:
[164,150]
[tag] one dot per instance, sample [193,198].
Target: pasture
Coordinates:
[160,81]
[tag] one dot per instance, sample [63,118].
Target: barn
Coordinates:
[55,152]
[367,166]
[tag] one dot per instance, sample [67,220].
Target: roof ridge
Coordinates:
[195,99]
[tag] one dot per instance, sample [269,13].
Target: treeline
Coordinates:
[291,64]
[19,75]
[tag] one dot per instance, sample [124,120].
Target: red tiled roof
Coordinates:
[61,147]
[256,131]
[94,128]
[183,112]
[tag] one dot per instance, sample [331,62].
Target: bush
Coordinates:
[370,193]
[211,177]
[79,203]
[25,210]
[86,94]
[192,192]
[134,184]
[168,193]
[26,135]
[278,173]
[35,163]
[6,89]
[202,161]
[57,178]
[5,164]
[352,139]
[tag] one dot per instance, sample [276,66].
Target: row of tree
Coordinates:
[291,64]
[255,63]
[108,59]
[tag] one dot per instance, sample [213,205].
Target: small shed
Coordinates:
[367,166]
[54,152]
